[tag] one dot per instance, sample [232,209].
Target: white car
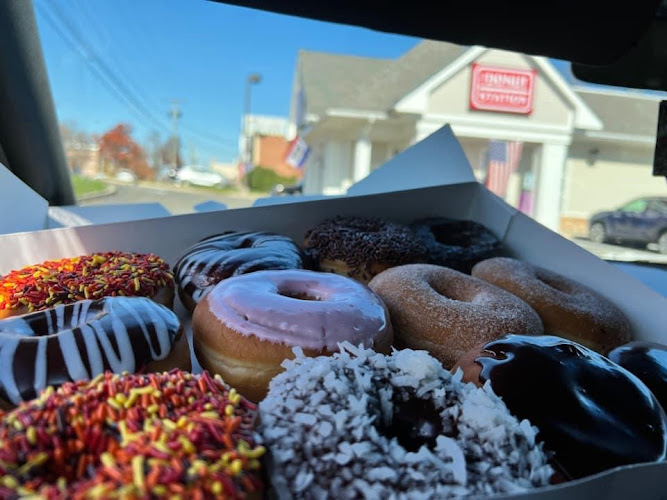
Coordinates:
[125,175]
[197,177]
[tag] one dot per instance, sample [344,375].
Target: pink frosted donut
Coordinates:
[246,326]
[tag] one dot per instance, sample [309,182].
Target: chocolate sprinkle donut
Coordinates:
[458,244]
[362,244]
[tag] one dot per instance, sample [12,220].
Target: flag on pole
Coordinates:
[503,160]
[297,152]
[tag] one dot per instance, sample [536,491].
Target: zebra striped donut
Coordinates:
[229,254]
[80,341]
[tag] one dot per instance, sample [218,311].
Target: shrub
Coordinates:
[263,179]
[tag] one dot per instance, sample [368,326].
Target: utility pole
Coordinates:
[175,114]
[252,79]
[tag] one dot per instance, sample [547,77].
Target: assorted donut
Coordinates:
[375,359]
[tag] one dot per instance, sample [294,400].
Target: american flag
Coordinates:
[504,158]
[297,152]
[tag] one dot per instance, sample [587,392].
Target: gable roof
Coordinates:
[331,80]
[621,112]
[368,83]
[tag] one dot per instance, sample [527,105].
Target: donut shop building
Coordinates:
[556,150]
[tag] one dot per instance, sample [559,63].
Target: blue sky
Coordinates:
[150,52]
[195,51]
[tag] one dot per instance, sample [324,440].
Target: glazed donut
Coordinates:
[246,326]
[167,435]
[648,362]
[567,308]
[446,312]
[81,340]
[229,254]
[592,413]
[458,244]
[361,424]
[38,287]
[361,247]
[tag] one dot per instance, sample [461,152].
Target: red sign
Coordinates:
[502,89]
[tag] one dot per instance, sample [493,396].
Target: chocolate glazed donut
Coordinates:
[81,340]
[648,361]
[222,256]
[592,413]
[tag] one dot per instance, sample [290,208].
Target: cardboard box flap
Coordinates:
[24,209]
[437,160]
[71,216]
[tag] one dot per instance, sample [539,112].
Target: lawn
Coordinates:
[84,186]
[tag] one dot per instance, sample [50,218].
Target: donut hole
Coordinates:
[557,285]
[293,294]
[450,292]
[414,423]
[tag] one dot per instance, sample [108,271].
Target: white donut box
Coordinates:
[401,190]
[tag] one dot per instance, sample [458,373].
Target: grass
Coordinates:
[84,186]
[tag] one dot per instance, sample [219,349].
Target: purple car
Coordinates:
[643,220]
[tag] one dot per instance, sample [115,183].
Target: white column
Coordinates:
[549,187]
[362,157]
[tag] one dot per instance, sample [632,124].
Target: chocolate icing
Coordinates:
[222,256]
[648,361]
[80,341]
[458,244]
[358,241]
[592,413]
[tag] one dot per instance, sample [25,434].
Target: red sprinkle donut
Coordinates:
[133,436]
[38,287]
[568,309]
[446,312]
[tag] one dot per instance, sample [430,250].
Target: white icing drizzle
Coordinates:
[136,325]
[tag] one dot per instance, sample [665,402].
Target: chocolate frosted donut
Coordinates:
[458,244]
[231,254]
[592,413]
[648,361]
[361,247]
[361,424]
[80,341]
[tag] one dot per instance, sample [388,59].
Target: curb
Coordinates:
[111,190]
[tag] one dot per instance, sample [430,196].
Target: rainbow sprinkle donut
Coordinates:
[109,274]
[132,436]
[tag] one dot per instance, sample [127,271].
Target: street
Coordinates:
[175,199]
[619,253]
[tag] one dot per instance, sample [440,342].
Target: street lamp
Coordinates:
[252,79]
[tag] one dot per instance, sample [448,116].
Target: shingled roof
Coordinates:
[338,81]
[369,84]
[631,113]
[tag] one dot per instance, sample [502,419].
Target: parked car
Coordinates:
[124,175]
[194,176]
[281,189]
[643,220]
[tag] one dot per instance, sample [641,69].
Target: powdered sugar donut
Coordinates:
[361,424]
[567,308]
[446,312]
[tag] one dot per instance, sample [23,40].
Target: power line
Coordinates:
[89,54]
[115,85]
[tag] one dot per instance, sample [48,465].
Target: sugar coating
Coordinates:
[448,312]
[320,422]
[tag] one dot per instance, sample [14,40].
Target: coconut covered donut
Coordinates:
[361,424]
[567,308]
